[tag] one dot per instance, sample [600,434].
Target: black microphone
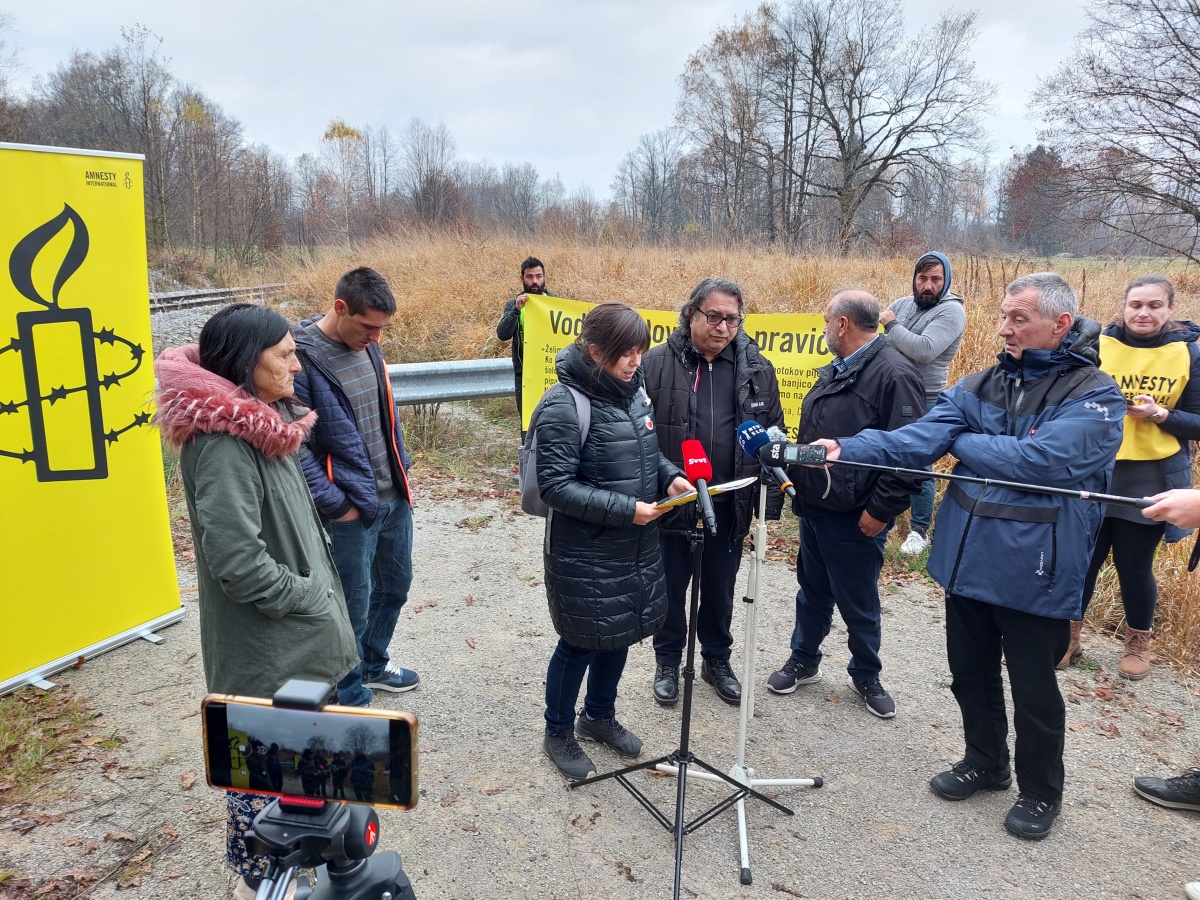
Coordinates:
[698,470]
[786,453]
[752,437]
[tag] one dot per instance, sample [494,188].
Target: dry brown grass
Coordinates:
[451,288]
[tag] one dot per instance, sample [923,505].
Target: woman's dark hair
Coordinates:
[1159,281]
[613,329]
[232,341]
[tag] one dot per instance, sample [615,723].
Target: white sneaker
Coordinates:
[1193,889]
[915,544]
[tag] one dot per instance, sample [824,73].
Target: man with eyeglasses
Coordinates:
[706,380]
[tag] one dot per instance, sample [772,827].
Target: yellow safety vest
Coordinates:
[1158,372]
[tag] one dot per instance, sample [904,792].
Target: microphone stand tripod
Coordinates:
[681,758]
[741,772]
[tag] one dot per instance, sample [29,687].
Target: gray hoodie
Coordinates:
[929,337]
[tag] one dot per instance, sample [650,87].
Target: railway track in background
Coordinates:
[166,301]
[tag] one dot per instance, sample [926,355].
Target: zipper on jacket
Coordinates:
[641,442]
[1015,411]
[712,410]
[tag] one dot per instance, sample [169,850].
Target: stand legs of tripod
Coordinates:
[742,773]
[681,759]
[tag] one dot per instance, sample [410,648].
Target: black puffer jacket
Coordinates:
[670,379]
[604,575]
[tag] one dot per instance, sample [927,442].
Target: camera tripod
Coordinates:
[297,832]
[680,759]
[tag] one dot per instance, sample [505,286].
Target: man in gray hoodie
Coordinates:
[927,327]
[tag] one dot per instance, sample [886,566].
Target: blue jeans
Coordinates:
[921,516]
[839,566]
[375,565]
[564,677]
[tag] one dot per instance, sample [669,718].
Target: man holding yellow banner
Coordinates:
[706,380]
[512,327]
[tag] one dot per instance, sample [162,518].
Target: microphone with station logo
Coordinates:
[752,437]
[698,470]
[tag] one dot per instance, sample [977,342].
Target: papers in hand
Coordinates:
[713,490]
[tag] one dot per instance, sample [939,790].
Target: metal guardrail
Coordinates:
[170,300]
[451,380]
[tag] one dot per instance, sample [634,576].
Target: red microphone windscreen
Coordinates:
[695,461]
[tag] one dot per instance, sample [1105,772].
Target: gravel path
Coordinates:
[496,821]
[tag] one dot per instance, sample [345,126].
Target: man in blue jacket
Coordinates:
[356,468]
[1012,563]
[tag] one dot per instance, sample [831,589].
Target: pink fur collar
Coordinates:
[193,400]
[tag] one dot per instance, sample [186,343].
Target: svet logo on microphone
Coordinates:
[696,461]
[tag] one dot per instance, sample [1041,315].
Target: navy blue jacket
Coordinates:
[335,460]
[1051,419]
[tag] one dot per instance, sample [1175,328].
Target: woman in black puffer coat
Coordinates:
[604,573]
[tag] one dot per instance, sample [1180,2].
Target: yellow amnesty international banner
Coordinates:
[85,544]
[793,342]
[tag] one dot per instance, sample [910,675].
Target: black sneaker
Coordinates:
[1180,792]
[666,685]
[1031,819]
[610,732]
[719,674]
[878,701]
[566,754]
[791,675]
[963,779]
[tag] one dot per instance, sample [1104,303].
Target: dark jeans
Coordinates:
[375,566]
[564,677]
[976,636]
[839,566]
[921,516]
[1133,546]
[718,575]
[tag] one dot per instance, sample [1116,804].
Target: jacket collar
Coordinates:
[1080,347]
[192,401]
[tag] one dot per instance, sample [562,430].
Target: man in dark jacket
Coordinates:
[845,521]
[355,466]
[512,327]
[1012,563]
[927,328]
[704,382]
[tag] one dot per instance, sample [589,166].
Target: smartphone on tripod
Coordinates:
[336,753]
[327,767]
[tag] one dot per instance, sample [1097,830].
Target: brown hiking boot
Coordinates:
[1135,664]
[1074,651]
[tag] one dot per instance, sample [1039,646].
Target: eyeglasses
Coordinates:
[716,319]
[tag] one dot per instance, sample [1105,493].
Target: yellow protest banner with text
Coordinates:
[793,342]
[85,544]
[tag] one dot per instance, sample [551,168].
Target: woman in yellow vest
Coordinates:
[1156,363]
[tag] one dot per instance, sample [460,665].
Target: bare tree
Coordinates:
[342,151]
[12,110]
[722,110]
[648,187]
[889,102]
[1124,113]
[427,155]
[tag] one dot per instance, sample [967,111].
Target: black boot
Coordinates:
[719,674]
[666,685]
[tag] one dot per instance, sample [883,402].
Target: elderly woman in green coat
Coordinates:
[271,604]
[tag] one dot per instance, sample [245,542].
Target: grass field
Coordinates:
[451,288]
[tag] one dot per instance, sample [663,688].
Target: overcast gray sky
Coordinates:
[568,86]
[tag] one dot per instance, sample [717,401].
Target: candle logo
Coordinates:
[58,348]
